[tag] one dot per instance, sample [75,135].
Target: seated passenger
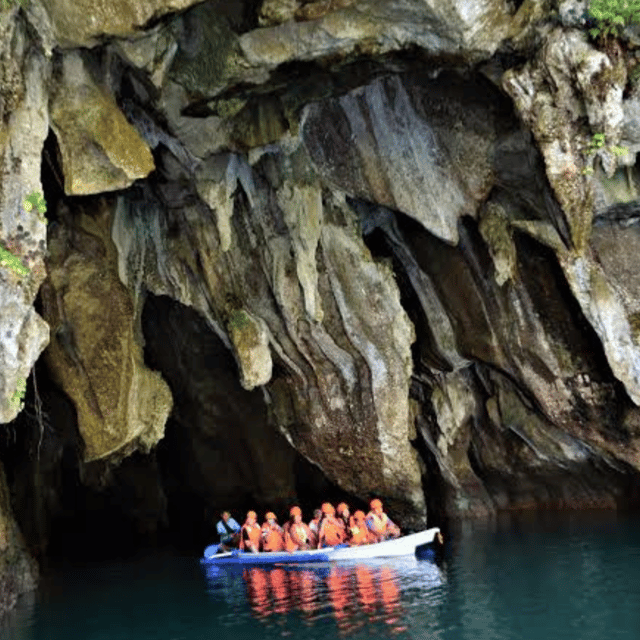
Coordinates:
[331,532]
[314,527]
[250,533]
[229,531]
[358,532]
[342,515]
[379,523]
[272,534]
[297,535]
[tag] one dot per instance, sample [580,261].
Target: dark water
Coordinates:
[548,578]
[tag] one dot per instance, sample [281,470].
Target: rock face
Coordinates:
[100,150]
[96,357]
[290,271]
[82,24]
[24,72]
[392,241]
[18,572]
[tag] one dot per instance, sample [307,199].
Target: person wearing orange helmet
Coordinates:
[379,523]
[331,533]
[343,516]
[250,533]
[297,536]
[358,532]
[272,534]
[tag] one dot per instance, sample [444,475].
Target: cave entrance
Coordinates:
[220,450]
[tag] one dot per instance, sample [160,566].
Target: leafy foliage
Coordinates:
[7,259]
[612,16]
[7,4]
[35,199]
[18,396]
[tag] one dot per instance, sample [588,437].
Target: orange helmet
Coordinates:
[327,508]
[375,504]
[270,516]
[343,506]
[252,514]
[295,511]
[359,515]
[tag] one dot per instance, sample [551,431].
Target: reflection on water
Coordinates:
[357,597]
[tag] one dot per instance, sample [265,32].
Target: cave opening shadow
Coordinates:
[220,450]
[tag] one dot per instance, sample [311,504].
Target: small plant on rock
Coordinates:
[7,4]
[597,142]
[35,199]
[7,259]
[18,395]
[612,16]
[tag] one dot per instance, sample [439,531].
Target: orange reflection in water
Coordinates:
[358,594]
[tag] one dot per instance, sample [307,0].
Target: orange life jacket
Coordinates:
[297,535]
[331,532]
[252,532]
[272,537]
[359,534]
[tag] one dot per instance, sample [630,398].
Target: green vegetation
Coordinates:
[612,16]
[238,319]
[18,396]
[35,199]
[597,142]
[7,4]
[7,259]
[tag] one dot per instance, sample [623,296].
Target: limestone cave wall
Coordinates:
[301,249]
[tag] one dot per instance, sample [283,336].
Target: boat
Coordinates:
[404,546]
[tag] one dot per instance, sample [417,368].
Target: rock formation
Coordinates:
[376,248]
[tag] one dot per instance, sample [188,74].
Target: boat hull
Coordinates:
[403,546]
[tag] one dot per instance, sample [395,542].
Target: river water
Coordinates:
[545,577]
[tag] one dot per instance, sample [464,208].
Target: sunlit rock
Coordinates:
[340,395]
[569,80]
[83,23]
[455,403]
[604,309]
[96,354]
[251,343]
[100,150]
[24,74]
[377,26]
[388,143]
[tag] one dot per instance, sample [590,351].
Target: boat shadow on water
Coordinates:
[356,595]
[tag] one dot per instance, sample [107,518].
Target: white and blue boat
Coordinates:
[404,546]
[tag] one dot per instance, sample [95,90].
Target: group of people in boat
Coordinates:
[329,527]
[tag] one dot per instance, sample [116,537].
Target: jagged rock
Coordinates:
[393,144]
[83,23]
[378,26]
[340,380]
[100,150]
[568,80]
[455,404]
[18,571]
[251,343]
[24,74]
[274,12]
[96,356]
[604,310]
